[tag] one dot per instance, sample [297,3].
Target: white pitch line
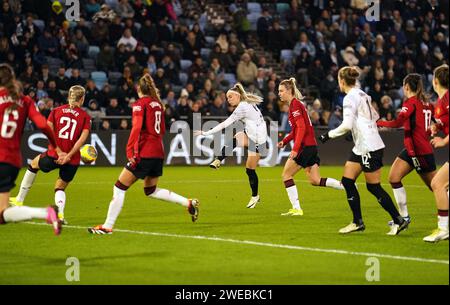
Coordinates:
[270,245]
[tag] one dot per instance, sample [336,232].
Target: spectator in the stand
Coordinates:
[263,25]
[335,118]
[124,9]
[349,57]
[75,78]
[191,46]
[292,34]
[304,43]
[260,81]
[100,32]
[128,40]
[135,68]
[276,38]
[115,30]
[183,104]
[164,32]
[105,125]
[105,59]
[284,121]
[62,82]
[234,58]
[376,93]
[73,57]
[43,108]
[40,90]
[29,77]
[114,110]
[151,65]
[222,41]
[170,99]
[93,109]
[81,43]
[54,93]
[92,92]
[105,13]
[198,67]
[48,43]
[217,108]
[246,70]
[148,33]
[316,73]
[124,124]
[269,111]
[121,56]
[107,94]
[387,111]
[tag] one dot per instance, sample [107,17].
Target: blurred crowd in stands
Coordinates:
[194,61]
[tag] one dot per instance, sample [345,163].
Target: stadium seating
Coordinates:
[205,52]
[93,52]
[113,77]
[287,55]
[185,64]
[99,78]
[254,7]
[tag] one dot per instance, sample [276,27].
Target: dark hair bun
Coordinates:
[353,73]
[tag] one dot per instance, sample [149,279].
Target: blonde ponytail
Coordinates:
[291,84]
[247,97]
[76,93]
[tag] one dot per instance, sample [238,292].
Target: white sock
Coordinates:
[166,195]
[293,196]
[333,183]
[115,206]
[24,213]
[400,197]
[443,222]
[60,200]
[25,185]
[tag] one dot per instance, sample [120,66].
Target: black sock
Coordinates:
[225,147]
[385,201]
[353,199]
[253,180]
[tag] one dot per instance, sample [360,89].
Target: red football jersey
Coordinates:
[302,130]
[441,112]
[12,123]
[415,117]
[68,124]
[146,137]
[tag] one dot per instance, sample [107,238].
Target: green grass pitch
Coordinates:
[30,254]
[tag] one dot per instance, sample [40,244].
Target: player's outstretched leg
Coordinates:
[192,205]
[290,169]
[226,149]
[24,213]
[313,174]
[253,181]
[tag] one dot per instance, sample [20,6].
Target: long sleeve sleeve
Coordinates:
[133,141]
[348,120]
[237,114]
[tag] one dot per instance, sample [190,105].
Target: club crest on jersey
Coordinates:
[137,108]
[404,109]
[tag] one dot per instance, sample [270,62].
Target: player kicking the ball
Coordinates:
[14,110]
[304,154]
[145,153]
[71,125]
[253,137]
[367,155]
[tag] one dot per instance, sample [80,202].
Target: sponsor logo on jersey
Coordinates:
[155,104]
[296,113]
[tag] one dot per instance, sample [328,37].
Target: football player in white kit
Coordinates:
[254,136]
[367,154]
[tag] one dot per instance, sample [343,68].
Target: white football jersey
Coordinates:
[361,118]
[251,116]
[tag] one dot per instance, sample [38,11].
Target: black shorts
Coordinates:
[8,176]
[147,168]
[66,171]
[427,162]
[370,162]
[308,157]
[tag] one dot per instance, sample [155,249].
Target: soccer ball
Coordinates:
[88,153]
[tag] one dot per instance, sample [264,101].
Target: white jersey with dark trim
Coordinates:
[251,116]
[360,118]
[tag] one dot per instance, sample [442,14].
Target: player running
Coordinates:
[145,153]
[14,111]
[71,125]
[439,184]
[304,154]
[254,136]
[367,154]
[415,118]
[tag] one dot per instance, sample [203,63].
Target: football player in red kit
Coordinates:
[415,118]
[145,153]
[14,111]
[439,184]
[304,154]
[71,125]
